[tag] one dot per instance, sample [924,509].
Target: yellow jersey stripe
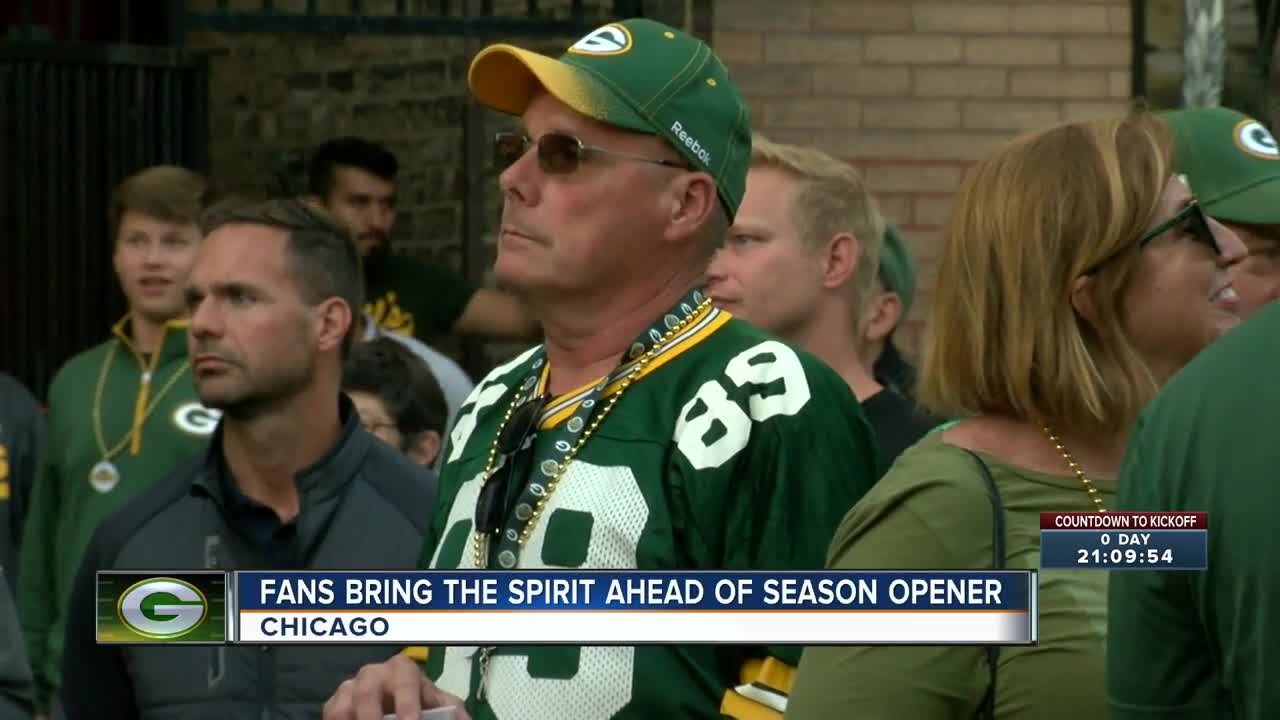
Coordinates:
[562,408]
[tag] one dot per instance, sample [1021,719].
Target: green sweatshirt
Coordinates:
[115,383]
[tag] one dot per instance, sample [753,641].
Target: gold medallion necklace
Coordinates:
[1094,495]
[104,474]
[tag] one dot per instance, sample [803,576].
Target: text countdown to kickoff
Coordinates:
[1124,541]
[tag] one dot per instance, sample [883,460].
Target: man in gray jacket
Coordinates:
[289,481]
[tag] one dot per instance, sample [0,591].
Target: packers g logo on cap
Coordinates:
[1256,140]
[611,39]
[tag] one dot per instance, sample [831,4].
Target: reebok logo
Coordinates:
[691,142]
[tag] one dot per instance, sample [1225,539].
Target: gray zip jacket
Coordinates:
[363,506]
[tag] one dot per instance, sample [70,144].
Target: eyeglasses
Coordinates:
[491,502]
[1195,223]
[558,154]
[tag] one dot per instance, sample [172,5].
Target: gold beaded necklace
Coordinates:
[1094,495]
[480,541]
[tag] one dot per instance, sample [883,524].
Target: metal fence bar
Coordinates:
[384,24]
[24,25]
[124,21]
[75,21]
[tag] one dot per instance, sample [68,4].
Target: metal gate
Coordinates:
[76,119]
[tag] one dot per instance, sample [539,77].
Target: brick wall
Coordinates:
[912,92]
[274,97]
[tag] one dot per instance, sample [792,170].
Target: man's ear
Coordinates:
[881,316]
[333,321]
[840,260]
[424,448]
[693,200]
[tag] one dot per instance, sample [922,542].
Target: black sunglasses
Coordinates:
[1192,220]
[491,502]
[558,154]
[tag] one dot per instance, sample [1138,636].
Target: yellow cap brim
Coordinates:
[505,78]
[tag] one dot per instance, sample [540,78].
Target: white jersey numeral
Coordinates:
[712,428]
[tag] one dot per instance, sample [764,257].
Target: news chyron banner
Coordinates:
[1124,541]
[576,607]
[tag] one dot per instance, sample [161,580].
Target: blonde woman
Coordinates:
[1077,274]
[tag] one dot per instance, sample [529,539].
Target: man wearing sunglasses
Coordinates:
[651,430]
[1233,165]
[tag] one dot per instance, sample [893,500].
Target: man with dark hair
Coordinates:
[355,180]
[289,480]
[397,397]
[122,414]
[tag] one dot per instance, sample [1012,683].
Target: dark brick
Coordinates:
[427,77]
[305,81]
[293,123]
[388,79]
[342,81]
[437,224]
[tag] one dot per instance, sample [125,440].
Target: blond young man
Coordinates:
[800,260]
[121,414]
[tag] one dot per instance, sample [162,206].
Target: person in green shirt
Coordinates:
[121,414]
[355,181]
[1233,164]
[1077,275]
[1205,644]
[651,431]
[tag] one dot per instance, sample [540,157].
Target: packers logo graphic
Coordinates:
[196,419]
[612,39]
[1253,138]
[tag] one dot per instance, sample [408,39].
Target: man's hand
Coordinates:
[395,686]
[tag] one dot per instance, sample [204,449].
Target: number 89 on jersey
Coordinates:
[1124,541]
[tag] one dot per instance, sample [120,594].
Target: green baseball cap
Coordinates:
[897,267]
[636,75]
[1231,161]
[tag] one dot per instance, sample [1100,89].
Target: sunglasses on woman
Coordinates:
[558,153]
[1192,221]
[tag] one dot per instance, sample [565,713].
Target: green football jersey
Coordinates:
[733,451]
